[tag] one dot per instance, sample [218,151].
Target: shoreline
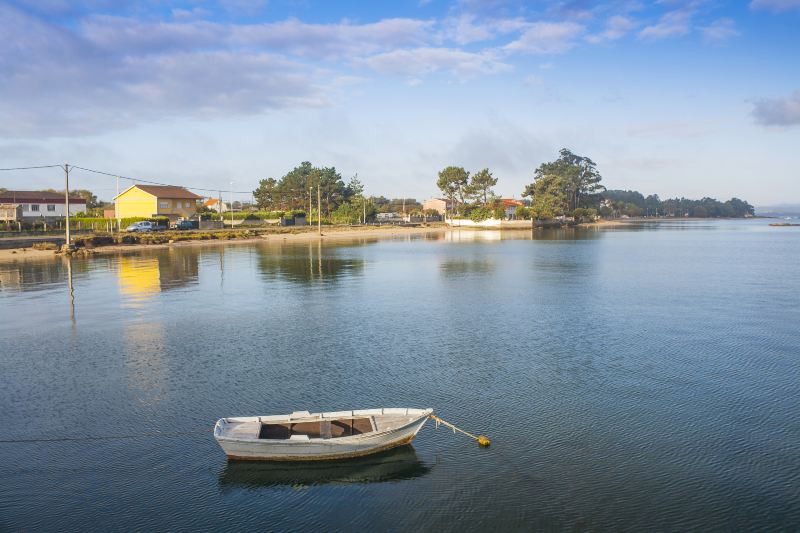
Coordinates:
[309,234]
[331,233]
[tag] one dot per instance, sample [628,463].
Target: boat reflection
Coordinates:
[393,465]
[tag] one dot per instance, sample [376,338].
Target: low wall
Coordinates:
[491,223]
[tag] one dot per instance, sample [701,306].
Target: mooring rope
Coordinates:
[106,437]
[482,440]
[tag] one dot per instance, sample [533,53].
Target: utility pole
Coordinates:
[66,198]
[319,211]
[231,205]
[219,206]
[116,208]
[364,205]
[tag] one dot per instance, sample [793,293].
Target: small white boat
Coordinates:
[304,436]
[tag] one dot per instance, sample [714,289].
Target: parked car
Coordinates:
[141,227]
[186,224]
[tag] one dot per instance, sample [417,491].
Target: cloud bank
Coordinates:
[778,111]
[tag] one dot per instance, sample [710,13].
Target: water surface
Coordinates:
[630,379]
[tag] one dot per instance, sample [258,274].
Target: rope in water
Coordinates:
[106,437]
[482,440]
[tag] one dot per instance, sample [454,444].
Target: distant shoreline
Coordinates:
[309,234]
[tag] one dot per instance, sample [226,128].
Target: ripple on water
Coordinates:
[629,380]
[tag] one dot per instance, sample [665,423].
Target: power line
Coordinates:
[31,168]
[213,190]
[301,192]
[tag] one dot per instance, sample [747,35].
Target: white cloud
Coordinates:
[720,30]
[546,38]
[671,24]
[778,111]
[532,80]
[463,30]
[426,60]
[775,6]
[616,28]
[333,40]
[64,84]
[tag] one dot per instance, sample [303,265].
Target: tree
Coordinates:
[89,196]
[579,176]
[452,182]
[352,212]
[297,189]
[653,205]
[549,197]
[480,185]
[266,194]
[354,188]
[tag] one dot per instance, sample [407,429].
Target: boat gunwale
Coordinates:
[424,413]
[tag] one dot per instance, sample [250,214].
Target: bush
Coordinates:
[479,214]
[523,213]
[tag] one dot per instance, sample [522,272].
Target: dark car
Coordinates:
[187,224]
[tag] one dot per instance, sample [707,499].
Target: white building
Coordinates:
[43,204]
[214,205]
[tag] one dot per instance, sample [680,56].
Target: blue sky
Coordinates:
[674,97]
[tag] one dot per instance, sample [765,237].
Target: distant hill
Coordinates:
[780,210]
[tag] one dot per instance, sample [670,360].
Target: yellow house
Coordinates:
[156,200]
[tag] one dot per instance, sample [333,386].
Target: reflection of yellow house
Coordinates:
[139,277]
[156,200]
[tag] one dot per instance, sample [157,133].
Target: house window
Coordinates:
[26,207]
[34,207]
[164,204]
[51,207]
[188,205]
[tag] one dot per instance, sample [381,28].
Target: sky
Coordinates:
[686,98]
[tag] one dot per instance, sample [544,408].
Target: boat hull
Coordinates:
[320,449]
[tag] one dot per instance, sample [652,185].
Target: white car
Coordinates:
[141,227]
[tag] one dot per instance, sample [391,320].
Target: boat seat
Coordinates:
[299,437]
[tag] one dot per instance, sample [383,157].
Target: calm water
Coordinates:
[645,378]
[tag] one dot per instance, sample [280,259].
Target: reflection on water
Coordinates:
[142,276]
[146,371]
[139,277]
[627,380]
[538,234]
[463,267]
[308,263]
[392,465]
[566,234]
[71,289]
[36,275]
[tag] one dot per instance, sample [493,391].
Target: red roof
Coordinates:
[41,197]
[168,191]
[510,202]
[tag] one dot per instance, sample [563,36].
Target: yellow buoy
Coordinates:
[483,441]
